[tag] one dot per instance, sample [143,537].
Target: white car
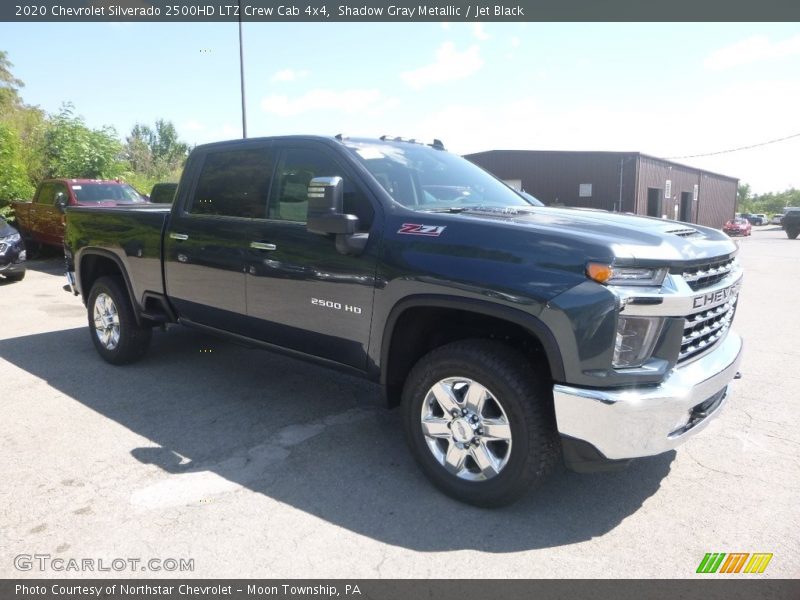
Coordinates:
[776,219]
[760,219]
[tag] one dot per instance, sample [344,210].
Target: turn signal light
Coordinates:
[599,272]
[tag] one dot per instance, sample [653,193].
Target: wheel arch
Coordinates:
[411,315]
[93,263]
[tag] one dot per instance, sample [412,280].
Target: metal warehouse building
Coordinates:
[617,181]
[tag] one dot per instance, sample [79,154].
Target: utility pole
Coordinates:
[241,72]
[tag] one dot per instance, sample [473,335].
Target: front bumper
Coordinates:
[644,421]
[12,260]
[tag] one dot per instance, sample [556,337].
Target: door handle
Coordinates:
[263,246]
[179,236]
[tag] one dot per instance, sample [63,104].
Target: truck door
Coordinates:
[40,212]
[52,219]
[301,293]
[209,230]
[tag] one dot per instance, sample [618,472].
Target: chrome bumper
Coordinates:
[645,421]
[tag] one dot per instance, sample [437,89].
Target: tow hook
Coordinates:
[738,375]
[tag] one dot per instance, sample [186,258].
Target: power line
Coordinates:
[783,139]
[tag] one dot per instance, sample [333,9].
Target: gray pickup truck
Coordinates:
[510,334]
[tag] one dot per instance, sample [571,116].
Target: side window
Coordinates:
[234,183]
[60,188]
[47,194]
[298,167]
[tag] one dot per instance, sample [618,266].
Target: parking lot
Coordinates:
[256,465]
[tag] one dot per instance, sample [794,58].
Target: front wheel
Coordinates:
[479,421]
[118,338]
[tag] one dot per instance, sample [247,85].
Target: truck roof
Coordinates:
[329,139]
[80,181]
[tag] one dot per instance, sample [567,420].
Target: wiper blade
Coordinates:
[497,210]
[449,209]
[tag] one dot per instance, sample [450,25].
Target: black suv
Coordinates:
[791,222]
[12,252]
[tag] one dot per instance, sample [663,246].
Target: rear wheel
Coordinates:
[479,421]
[116,335]
[792,233]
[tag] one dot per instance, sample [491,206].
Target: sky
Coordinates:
[666,89]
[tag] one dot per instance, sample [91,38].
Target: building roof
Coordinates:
[608,152]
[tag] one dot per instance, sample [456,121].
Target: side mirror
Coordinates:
[62,201]
[325,200]
[325,216]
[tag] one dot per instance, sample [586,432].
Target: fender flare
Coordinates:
[91,251]
[525,320]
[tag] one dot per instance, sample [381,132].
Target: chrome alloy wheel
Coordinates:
[466,429]
[106,321]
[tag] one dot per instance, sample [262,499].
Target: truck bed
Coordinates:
[132,235]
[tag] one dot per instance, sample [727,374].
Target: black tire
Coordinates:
[18,276]
[133,339]
[792,233]
[523,392]
[32,249]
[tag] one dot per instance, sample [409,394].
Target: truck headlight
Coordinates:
[611,275]
[635,339]
[10,239]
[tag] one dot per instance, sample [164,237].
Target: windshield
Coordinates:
[423,178]
[163,193]
[99,192]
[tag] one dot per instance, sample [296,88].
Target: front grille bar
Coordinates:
[712,271]
[705,329]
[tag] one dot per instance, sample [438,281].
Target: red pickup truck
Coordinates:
[42,219]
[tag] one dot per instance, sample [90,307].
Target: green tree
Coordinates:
[775,202]
[153,154]
[743,197]
[16,123]
[30,122]
[14,182]
[155,151]
[137,149]
[74,150]
[9,85]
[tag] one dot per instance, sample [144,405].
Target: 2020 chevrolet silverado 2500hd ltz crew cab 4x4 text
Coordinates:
[509,334]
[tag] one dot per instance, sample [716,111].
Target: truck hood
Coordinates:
[6,229]
[629,237]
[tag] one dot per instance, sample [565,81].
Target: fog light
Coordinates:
[635,339]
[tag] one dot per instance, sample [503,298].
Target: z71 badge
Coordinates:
[418,229]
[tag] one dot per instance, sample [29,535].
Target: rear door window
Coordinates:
[234,183]
[47,194]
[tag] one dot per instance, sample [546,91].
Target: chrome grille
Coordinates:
[703,330]
[704,276]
